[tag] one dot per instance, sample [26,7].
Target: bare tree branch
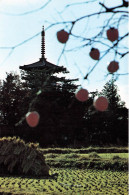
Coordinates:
[124,4]
[114,17]
[76,4]
[26,13]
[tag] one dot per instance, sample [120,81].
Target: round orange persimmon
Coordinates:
[82,95]
[94,54]
[112,34]
[62,36]
[32,118]
[113,66]
[101,103]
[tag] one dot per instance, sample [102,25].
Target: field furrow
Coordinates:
[69,181]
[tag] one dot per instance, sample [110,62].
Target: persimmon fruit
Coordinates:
[101,103]
[113,66]
[94,54]
[62,36]
[32,118]
[112,34]
[82,95]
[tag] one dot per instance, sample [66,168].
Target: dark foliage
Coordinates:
[111,126]
[61,114]
[14,100]
[64,121]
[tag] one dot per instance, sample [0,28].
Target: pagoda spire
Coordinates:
[42,63]
[43,44]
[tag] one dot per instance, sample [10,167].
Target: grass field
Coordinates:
[112,161]
[77,174]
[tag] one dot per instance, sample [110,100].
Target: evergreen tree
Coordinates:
[54,98]
[111,126]
[110,90]
[13,100]
[116,119]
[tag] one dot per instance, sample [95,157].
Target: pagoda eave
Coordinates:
[42,63]
[39,65]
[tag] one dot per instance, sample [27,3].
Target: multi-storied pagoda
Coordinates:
[42,63]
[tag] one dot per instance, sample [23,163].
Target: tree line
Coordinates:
[64,121]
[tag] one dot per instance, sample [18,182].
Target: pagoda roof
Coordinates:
[41,64]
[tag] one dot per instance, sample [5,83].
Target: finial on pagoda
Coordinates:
[43,44]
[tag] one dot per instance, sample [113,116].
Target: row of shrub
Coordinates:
[92,160]
[86,150]
[116,165]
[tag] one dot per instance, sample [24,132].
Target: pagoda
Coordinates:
[42,63]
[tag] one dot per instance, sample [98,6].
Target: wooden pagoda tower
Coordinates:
[42,63]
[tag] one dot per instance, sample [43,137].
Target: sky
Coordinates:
[22,19]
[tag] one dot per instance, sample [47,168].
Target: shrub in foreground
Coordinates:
[20,158]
